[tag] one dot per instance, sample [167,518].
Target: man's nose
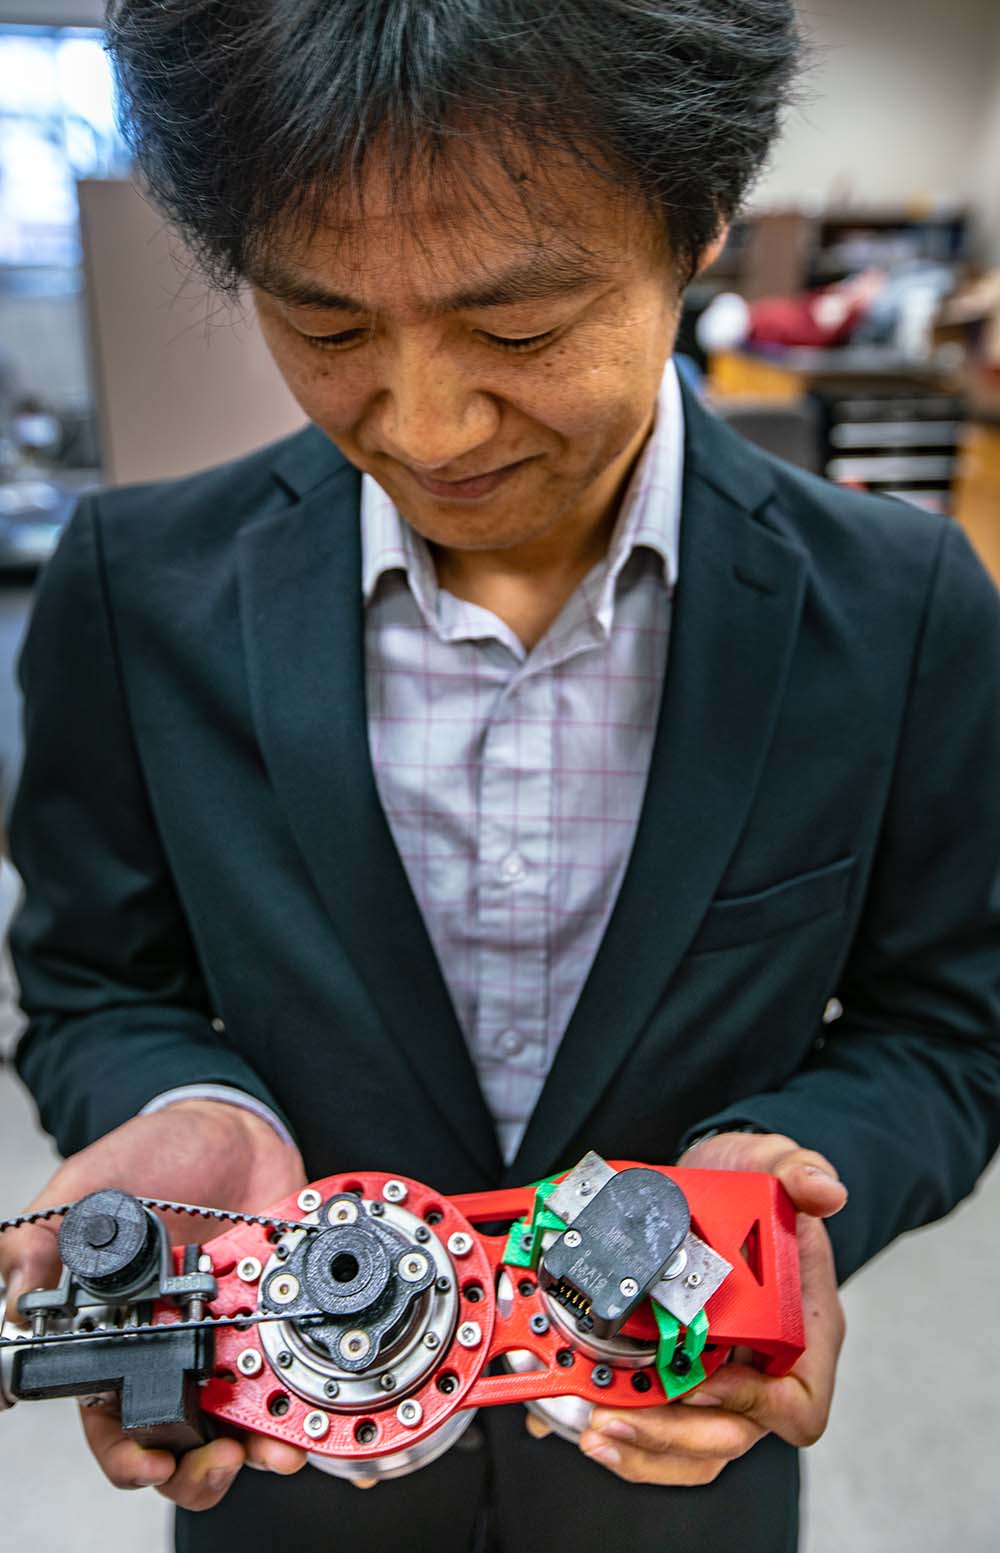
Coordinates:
[430,415]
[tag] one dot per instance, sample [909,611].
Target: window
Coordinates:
[56,125]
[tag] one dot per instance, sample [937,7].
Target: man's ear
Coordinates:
[714,249]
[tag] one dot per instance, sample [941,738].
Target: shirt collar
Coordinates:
[650,517]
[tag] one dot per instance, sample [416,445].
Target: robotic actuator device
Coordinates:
[368,1317]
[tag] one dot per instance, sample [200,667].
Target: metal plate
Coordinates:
[678,1295]
[580,1187]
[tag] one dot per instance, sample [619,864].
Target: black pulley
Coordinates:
[109,1242]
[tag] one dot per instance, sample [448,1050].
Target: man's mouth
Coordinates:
[468,489]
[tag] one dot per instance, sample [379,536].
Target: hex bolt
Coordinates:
[331,1388]
[628,1288]
[692,1280]
[572,1238]
[395,1191]
[283,1289]
[409,1413]
[284,1358]
[459,1244]
[249,1362]
[470,1334]
[539,1324]
[249,1269]
[602,1375]
[309,1200]
[387,1381]
[316,1425]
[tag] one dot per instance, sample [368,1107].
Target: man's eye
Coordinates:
[529,341]
[336,341]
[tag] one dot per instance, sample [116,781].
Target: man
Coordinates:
[515,761]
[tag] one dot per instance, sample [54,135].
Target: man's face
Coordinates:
[496,374]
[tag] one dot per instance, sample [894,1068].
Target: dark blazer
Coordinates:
[213,893]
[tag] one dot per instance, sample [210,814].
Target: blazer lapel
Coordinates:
[736,614]
[303,628]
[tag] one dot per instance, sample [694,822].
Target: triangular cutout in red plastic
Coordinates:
[750,1252]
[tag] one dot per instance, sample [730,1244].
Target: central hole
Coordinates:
[344,1267]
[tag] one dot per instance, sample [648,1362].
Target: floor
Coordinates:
[909,1463]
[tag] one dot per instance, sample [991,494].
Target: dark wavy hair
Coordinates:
[243,114]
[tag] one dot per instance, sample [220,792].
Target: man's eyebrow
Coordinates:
[531,281]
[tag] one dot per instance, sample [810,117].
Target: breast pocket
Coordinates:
[743,919]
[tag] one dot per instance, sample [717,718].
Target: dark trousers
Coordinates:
[500,1491]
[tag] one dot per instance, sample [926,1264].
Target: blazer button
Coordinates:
[510,1043]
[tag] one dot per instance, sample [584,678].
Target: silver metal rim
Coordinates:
[408,1361]
[400,1463]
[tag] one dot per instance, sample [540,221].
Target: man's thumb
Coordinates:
[29,1259]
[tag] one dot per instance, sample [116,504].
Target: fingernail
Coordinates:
[219,1479]
[618,1429]
[605,1454]
[826,1175]
[151,1480]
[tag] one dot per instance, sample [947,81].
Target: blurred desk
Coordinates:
[866,369]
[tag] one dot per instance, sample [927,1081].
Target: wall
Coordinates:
[988,177]
[897,102]
[53,13]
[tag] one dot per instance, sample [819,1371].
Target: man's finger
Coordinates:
[204,1475]
[537,1427]
[668,1469]
[274,1455]
[29,1259]
[702,1433]
[124,1462]
[811,1182]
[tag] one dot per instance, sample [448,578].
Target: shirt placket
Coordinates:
[515,806]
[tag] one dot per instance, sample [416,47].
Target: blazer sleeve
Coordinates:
[902,1093]
[116,1004]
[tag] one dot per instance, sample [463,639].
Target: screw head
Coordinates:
[283,1288]
[572,1238]
[395,1191]
[343,1210]
[443,1285]
[376,1209]
[539,1323]
[602,1375]
[309,1199]
[355,1344]
[692,1280]
[316,1425]
[628,1288]
[470,1334]
[249,1362]
[681,1363]
[387,1381]
[409,1413]
[586,1187]
[205,1264]
[431,1340]
[459,1244]
[412,1267]
[249,1269]
[331,1388]
[422,1233]
[284,1358]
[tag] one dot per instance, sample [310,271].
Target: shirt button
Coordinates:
[510,1043]
[512,868]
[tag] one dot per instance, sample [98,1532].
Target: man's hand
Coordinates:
[197,1151]
[690,1441]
